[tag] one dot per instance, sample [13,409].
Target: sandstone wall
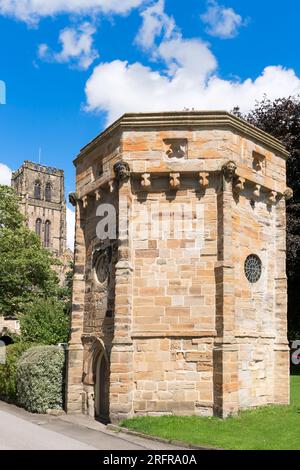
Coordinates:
[189,334]
[174,298]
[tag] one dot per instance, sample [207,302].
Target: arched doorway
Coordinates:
[102,388]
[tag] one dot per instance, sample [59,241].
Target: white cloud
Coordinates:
[221,22]
[5,174]
[77,47]
[70,228]
[190,79]
[155,23]
[32,10]
[191,82]
[187,60]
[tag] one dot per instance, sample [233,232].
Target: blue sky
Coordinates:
[72,66]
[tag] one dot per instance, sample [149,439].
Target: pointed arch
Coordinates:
[38,227]
[48,192]
[47,241]
[37,189]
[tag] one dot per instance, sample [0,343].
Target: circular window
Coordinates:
[253,268]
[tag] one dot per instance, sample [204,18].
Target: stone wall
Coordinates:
[173,376]
[181,328]
[9,325]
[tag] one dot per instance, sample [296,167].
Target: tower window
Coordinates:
[47,233]
[37,190]
[48,192]
[38,227]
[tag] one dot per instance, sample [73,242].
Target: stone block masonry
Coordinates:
[42,201]
[183,310]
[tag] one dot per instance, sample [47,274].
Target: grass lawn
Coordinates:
[264,428]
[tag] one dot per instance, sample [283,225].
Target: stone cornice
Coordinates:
[188,119]
[241,178]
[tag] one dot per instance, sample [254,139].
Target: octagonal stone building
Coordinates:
[180,292]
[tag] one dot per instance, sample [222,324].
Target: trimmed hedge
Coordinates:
[40,379]
[8,391]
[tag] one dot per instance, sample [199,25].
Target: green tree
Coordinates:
[281,118]
[45,322]
[25,266]
[68,288]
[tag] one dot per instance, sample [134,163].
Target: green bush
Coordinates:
[40,379]
[8,370]
[45,322]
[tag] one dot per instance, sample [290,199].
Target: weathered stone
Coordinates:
[177,325]
[42,201]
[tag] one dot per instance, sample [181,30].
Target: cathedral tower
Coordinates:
[42,201]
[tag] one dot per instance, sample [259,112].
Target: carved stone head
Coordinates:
[288,194]
[73,199]
[229,170]
[122,171]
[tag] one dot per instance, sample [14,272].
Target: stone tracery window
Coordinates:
[37,190]
[47,233]
[253,268]
[48,192]
[38,227]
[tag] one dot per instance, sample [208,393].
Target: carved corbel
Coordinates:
[98,195]
[288,194]
[203,180]
[111,185]
[239,184]
[146,181]
[256,192]
[272,197]
[175,180]
[85,202]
